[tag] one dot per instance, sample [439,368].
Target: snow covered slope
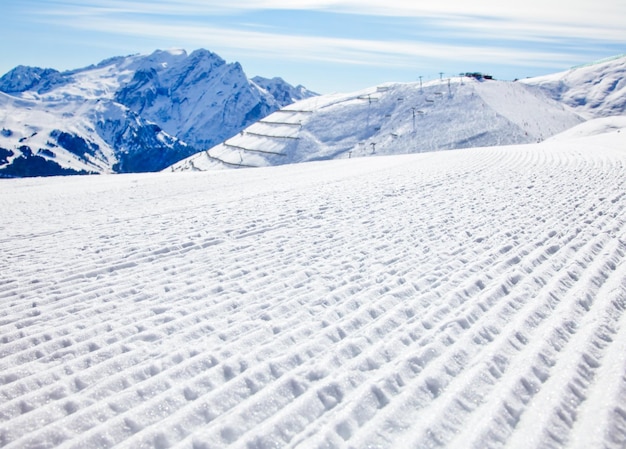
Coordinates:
[460,299]
[393,119]
[593,127]
[128,114]
[597,89]
[79,135]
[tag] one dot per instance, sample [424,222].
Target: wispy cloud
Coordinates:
[319,48]
[552,17]
[538,33]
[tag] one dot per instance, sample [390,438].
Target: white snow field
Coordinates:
[471,298]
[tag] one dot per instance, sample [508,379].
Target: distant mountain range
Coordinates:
[176,111]
[128,114]
[397,118]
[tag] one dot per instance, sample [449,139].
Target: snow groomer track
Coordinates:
[461,299]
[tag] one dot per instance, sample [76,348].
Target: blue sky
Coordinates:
[326,45]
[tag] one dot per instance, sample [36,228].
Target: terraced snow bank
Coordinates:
[460,299]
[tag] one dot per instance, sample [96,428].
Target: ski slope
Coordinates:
[462,299]
[394,118]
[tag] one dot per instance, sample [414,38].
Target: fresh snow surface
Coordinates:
[593,127]
[462,299]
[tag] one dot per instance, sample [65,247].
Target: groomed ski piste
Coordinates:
[469,298]
[394,118]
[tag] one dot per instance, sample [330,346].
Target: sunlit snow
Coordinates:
[396,118]
[464,299]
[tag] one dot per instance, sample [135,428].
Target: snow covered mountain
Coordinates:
[127,114]
[462,299]
[282,91]
[79,135]
[595,90]
[393,119]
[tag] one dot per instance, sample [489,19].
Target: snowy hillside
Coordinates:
[593,127]
[128,114]
[596,90]
[458,299]
[393,119]
[79,135]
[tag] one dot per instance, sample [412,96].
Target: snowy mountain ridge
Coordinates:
[137,113]
[197,112]
[398,118]
[595,90]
